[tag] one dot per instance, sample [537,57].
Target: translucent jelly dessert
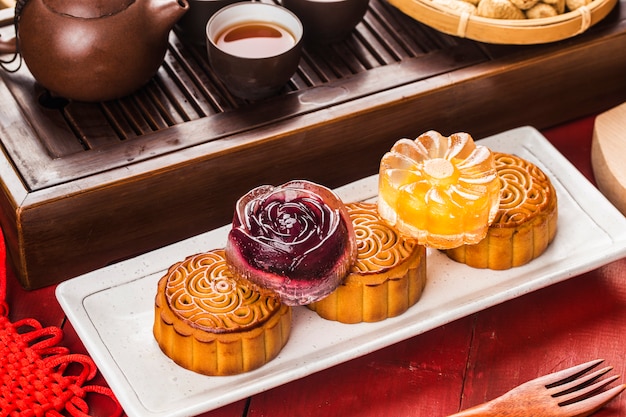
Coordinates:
[442,191]
[296,240]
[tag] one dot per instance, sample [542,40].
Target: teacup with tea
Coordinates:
[254,47]
[192,25]
[327,21]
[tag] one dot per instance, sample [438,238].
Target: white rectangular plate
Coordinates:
[112,308]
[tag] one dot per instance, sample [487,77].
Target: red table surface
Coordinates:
[452,367]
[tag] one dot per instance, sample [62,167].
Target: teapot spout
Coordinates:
[166,13]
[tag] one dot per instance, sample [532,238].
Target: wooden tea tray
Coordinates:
[86,185]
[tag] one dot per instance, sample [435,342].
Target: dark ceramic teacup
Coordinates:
[192,25]
[254,48]
[327,21]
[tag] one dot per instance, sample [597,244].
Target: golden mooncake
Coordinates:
[212,324]
[526,221]
[387,278]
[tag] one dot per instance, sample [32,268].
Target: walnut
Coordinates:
[499,9]
[559,5]
[524,4]
[459,6]
[541,10]
[575,4]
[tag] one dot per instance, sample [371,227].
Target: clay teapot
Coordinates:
[95,50]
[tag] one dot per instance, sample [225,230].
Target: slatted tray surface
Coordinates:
[185,90]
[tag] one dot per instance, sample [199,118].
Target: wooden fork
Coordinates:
[566,393]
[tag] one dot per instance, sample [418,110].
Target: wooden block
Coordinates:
[608,155]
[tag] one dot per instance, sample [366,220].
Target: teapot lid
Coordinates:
[88,9]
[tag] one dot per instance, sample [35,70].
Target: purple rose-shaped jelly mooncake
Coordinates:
[295,240]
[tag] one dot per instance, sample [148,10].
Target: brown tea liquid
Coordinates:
[255,40]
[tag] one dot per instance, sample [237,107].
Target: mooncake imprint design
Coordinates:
[210,323]
[387,278]
[201,291]
[526,221]
[379,247]
[525,190]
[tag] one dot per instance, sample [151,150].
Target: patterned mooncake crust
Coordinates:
[210,323]
[526,221]
[387,278]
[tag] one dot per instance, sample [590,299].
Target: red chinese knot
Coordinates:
[40,378]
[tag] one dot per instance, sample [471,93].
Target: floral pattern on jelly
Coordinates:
[442,191]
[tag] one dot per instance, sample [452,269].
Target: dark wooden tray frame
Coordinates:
[66,210]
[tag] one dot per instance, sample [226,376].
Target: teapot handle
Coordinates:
[10,46]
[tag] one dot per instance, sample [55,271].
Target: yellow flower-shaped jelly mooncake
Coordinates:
[442,191]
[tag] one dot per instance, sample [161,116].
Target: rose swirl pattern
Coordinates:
[295,240]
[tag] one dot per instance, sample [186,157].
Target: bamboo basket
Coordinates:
[506,31]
